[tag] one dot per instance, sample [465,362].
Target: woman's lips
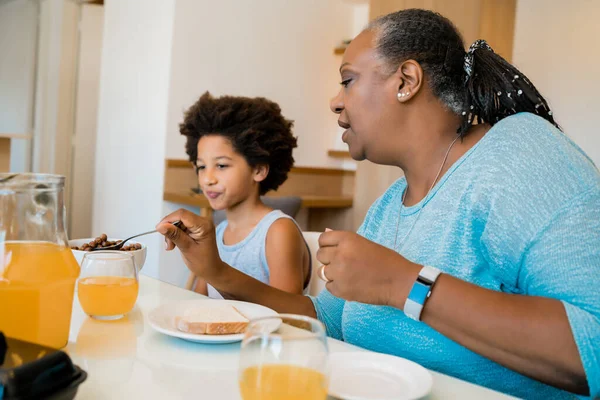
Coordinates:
[346,126]
[343,124]
[344,135]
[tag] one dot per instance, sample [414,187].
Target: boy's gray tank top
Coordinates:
[249,255]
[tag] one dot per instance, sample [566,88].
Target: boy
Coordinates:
[242,148]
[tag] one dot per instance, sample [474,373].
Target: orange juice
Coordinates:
[36,292]
[282,382]
[107,295]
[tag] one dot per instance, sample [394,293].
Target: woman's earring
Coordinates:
[402,95]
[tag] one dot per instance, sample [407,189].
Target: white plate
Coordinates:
[375,376]
[162,319]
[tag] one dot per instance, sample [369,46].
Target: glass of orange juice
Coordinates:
[284,358]
[108,285]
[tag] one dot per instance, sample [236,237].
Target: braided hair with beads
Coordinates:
[479,85]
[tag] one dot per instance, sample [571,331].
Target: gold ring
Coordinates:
[322,274]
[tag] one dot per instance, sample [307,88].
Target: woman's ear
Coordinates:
[260,172]
[409,78]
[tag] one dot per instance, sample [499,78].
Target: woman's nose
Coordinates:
[336,104]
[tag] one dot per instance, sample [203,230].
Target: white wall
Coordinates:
[360,18]
[18,36]
[282,50]
[91,25]
[55,88]
[556,47]
[132,120]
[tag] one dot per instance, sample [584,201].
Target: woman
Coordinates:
[508,210]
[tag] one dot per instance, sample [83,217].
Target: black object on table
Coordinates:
[30,371]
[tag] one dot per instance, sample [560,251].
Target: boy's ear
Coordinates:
[261,172]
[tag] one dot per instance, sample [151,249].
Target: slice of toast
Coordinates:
[212,320]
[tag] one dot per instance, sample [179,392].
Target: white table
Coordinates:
[127,359]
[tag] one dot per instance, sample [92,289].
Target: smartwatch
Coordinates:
[420,292]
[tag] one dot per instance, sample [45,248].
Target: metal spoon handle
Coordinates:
[138,235]
[119,246]
[176,223]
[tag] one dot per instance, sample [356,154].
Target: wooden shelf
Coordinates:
[179,163]
[327,201]
[339,154]
[322,171]
[198,200]
[4,154]
[15,135]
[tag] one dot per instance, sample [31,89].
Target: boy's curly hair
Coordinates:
[254,126]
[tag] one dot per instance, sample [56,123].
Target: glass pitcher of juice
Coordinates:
[37,268]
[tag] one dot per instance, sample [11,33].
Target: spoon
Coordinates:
[118,246]
[7,178]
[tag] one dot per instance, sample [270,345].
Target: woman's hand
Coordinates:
[363,271]
[196,239]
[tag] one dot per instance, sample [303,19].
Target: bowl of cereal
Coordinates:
[81,246]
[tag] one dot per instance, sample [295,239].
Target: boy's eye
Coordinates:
[222,166]
[345,82]
[200,167]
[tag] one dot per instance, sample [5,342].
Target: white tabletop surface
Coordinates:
[127,359]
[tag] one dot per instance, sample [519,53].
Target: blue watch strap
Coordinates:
[420,292]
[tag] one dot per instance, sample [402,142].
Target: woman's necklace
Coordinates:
[424,200]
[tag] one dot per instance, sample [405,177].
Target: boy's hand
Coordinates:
[196,239]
